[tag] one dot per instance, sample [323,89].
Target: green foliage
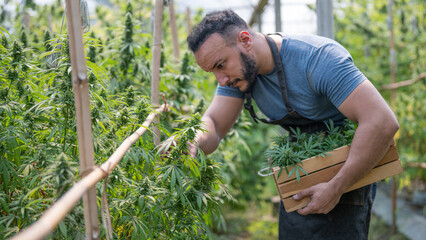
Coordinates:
[172,197]
[288,152]
[38,157]
[362,27]
[150,197]
[23,37]
[127,51]
[242,154]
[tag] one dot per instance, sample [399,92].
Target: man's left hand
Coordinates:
[324,197]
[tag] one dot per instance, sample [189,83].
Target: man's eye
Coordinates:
[220,66]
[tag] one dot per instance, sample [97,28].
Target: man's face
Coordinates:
[230,65]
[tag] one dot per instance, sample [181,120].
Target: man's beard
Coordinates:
[249,70]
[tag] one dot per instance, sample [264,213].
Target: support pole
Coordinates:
[257,13]
[156,56]
[188,20]
[277,15]
[82,110]
[392,51]
[26,20]
[392,61]
[173,27]
[325,20]
[259,22]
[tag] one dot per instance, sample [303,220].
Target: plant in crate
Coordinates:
[288,152]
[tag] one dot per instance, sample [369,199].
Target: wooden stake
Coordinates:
[405,83]
[26,20]
[393,97]
[173,27]
[56,213]
[256,16]
[188,20]
[156,56]
[82,109]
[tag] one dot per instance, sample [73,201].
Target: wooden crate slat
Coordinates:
[291,205]
[290,188]
[379,173]
[277,186]
[314,164]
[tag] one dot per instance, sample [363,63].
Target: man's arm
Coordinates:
[377,125]
[219,119]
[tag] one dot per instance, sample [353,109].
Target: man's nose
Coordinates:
[221,78]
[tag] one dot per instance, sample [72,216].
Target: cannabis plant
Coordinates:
[289,152]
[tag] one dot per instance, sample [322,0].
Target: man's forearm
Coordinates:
[209,140]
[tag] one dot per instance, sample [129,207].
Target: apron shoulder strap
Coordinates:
[279,68]
[281,80]
[249,107]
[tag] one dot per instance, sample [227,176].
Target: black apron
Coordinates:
[351,217]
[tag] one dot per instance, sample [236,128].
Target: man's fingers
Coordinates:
[306,210]
[166,145]
[302,194]
[193,149]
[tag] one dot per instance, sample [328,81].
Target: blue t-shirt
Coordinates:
[320,74]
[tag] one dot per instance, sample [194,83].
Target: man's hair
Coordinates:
[224,22]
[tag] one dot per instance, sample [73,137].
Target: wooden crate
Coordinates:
[322,169]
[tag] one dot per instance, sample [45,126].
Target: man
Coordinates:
[300,81]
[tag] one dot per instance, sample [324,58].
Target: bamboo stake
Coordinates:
[156,56]
[417,165]
[173,27]
[405,83]
[188,20]
[82,108]
[393,97]
[257,13]
[26,20]
[56,213]
[392,52]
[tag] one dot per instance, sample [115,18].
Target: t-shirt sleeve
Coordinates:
[229,91]
[331,72]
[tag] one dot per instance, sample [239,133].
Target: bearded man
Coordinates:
[297,81]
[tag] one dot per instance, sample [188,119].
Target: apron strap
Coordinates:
[249,107]
[282,83]
[279,68]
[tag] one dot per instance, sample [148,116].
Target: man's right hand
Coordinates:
[166,146]
[192,149]
[218,119]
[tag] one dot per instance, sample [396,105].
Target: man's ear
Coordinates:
[245,39]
